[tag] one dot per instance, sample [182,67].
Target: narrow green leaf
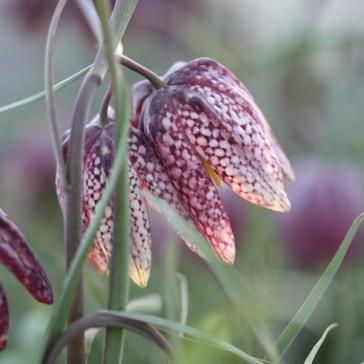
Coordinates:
[183,298]
[171,299]
[305,311]
[104,319]
[189,332]
[119,267]
[41,95]
[316,348]
[229,281]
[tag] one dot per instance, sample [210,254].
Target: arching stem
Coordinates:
[104,117]
[154,79]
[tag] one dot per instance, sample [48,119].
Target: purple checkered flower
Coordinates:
[18,257]
[97,164]
[204,123]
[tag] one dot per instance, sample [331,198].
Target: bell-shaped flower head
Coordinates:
[17,256]
[204,123]
[97,165]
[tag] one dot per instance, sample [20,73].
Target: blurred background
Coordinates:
[304,63]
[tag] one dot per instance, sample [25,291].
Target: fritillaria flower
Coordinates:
[18,257]
[97,164]
[199,128]
[204,123]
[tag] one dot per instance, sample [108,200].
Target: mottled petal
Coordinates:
[18,257]
[238,168]
[98,257]
[163,127]
[238,112]
[206,72]
[4,318]
[155,178]
[99,153]
[140,237]
[98,161]
[285,164]
[213,76]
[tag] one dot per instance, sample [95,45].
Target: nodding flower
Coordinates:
[204,127]
[18,257]
[200,129]
[98,161]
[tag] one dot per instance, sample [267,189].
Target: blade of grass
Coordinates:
[169,282]
[119,277]
[99,320]
[49,87]
[316,348]
[183,298]
[229,281]
[41,95]
[305,311]
[176,328]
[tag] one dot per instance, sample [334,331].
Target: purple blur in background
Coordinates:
[326,198]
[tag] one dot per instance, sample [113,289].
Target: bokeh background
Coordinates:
[304,63]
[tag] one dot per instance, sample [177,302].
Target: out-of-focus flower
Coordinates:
[4,318]
[204,123]
[98,160]
[326,199]
[18,257]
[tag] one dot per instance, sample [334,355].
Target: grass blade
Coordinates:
[229,281]
[189,332]
[100,320]
[316,348]
[305,311]
[41,95]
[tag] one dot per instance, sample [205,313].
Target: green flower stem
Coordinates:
[153,78]
[120,18]
[103,113]
[73,191]
[49,84]
[89,12]
[119,277]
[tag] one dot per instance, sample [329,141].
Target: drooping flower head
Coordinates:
[204,123]
[97,164]
[18,257]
